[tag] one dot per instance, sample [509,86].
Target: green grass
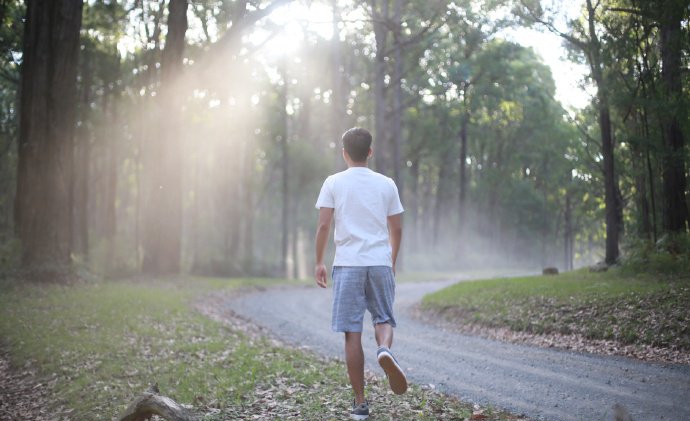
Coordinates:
[430,276]
[101,345]
[615,305]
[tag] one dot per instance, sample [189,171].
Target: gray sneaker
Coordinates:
[395,374]
[360,412]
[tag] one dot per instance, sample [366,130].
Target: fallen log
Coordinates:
[151,403]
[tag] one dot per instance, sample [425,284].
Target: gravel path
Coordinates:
[541,383]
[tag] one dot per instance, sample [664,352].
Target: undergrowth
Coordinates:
[614,305]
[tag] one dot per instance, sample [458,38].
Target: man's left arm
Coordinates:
[395,235]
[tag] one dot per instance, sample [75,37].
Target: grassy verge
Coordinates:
[430,276]
[614,305]
[100,345]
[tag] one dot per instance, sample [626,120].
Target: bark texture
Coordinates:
[47,122]
[674,178]
[150,403]
[380,18]
[82,158]
[613,224]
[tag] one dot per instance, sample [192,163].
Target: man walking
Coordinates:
[367,212]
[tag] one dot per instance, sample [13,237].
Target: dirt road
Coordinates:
[541,383]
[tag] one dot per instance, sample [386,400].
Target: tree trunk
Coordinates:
[162,161]
[46,130]
[231,208]
[109,187]
[397,99]
[146,132]
[82,159]
[381,130]
[568,234]
[610,198]
[294,244]
[339,101]
[414,207]
[462,213]
[673,173]
[426,228]
[195,252]
[645,228]
[248,201]
[652,196]
[545,224]
[284,165]
[441,201]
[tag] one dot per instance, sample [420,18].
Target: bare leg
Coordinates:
[354,357]
[384,334]
[396,377]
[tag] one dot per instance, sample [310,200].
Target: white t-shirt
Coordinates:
[363,200]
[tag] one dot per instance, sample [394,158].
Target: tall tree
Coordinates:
[592,49]
[163,158]
[674,175]
[47,121]
[380,15]
[339,83]
[397,107]
[80,177]
[586,39]
[284,168]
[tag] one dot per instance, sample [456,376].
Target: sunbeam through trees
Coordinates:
[165,137]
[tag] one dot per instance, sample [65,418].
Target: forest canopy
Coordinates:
[192,136]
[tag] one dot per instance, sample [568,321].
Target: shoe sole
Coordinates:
[358,417]
[396,377]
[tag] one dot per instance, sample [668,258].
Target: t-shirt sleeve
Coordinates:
[325,199]
[394,205]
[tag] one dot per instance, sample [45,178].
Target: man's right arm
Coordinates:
[322,231]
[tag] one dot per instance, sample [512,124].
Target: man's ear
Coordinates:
[371,153]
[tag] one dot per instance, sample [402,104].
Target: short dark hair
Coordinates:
[357,142]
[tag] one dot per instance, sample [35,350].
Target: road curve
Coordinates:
[541,383]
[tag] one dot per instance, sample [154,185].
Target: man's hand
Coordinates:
[322,231]
[321,275]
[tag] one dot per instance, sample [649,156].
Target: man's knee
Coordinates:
[353,336]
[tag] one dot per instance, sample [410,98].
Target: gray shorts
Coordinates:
[359,288]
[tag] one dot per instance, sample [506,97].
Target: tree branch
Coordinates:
[637,12]
[151,403]
[9,76]
[234,33]
[582,45]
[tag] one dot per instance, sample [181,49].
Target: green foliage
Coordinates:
[10,255]
[525,155]
[11,29]
[669,255]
